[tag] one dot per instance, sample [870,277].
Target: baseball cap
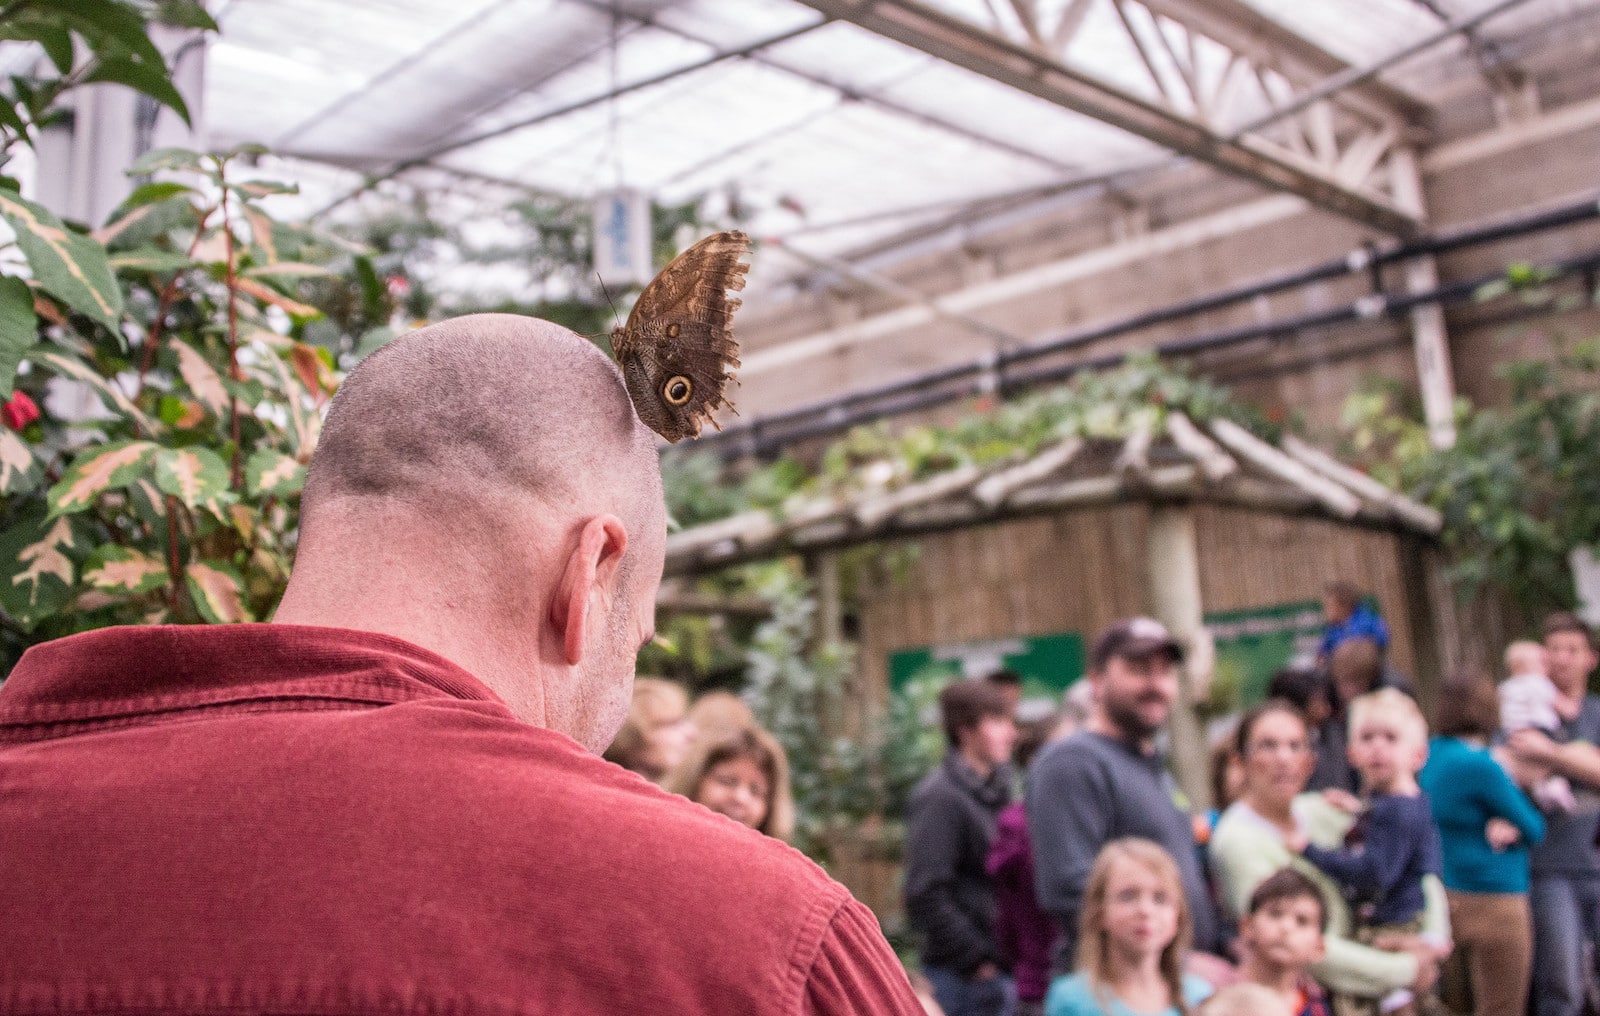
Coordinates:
[1135,638]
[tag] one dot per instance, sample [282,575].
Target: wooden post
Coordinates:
[1434,373]
[1172,589]
[823,569]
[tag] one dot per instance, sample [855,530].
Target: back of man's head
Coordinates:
[466,413]
[483,488]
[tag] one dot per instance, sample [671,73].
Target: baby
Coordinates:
[1528,699]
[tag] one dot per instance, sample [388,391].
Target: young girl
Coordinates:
[743,775]
[1134,935]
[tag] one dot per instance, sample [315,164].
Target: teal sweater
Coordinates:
[1467,788]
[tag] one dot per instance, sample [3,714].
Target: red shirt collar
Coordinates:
[119,673]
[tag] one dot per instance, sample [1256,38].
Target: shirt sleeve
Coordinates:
[1504,799]
[1069,818]
[856,972]
[933,857]
[1378,865]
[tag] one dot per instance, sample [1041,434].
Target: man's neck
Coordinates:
[1571,693]
[1100,723]
[1284,980]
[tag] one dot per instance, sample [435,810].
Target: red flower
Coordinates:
[19,412]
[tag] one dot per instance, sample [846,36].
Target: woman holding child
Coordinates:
[1253,840]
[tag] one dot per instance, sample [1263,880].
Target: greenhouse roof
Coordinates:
[839,124]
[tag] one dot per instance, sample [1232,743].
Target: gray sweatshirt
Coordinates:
[1086,791]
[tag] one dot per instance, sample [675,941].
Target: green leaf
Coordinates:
[148,223]
[123,571]
[53,36]
[272,472]
[150,193]
[36,573]
[193,475]
[184,14]
[19,328]
[217,591]
[150,79]
[373,341]
[97,470]
[264,188]
[67,264]
[166,158]
[112,19]
[19,467]
[149,259]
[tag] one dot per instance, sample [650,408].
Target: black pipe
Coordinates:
[1365,309]
[758,434]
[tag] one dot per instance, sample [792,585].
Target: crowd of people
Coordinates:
[1354,863]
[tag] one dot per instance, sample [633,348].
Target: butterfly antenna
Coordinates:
[606,293]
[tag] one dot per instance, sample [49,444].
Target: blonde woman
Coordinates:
[1133,938]
[743,775]
[657,734]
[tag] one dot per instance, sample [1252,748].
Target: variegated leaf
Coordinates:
[68,265]
[267,294]
[97,470]
[218,594]
[123,571]
[287,270]
[271,472]
[193,475]
[69,367]
[36,573]
[201,378]
[19,467]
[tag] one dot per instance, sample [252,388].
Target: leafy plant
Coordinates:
[167,398]
[1520,488]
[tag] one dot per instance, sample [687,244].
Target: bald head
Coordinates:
[481,410]
[484,489]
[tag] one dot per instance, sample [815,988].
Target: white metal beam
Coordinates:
[1026,68]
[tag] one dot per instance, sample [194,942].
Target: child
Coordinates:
[1282,937]
[1528,700]
[1245,999]
[1024,933]
[1394,842]
[1133,935]
[743,775]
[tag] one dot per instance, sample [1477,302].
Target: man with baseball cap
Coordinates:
[1107,781]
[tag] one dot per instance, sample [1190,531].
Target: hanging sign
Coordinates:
[622,238]
[1047,663]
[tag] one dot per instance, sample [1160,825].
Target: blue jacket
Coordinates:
[1467,788]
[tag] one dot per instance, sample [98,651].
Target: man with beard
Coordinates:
[1107,781]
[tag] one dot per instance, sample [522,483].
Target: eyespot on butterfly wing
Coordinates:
[676,349]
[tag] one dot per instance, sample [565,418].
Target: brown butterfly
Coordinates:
[677,346]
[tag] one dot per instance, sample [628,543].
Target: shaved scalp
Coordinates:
[483,411]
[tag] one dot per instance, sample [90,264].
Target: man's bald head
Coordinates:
[483,411]
[484,489]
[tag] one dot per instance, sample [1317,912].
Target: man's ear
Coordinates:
[590,570]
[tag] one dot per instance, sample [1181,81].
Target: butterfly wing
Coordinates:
[677,346]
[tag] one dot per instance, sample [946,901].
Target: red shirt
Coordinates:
[266,818]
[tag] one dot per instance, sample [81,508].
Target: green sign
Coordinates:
[1048,663]
[1254,644]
